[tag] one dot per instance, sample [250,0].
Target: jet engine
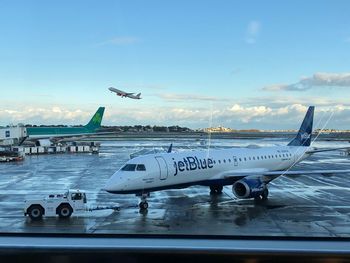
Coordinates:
[249,188]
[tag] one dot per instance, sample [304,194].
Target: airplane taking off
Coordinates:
[248,170]
[125,94]
[44,135]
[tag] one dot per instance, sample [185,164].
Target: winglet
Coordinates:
[96,120]
[303,137]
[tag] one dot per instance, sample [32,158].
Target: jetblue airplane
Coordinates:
[248,170]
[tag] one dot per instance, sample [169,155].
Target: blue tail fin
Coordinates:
[303,137]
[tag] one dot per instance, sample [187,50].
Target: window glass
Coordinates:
[141,167]
[125,99]
[129,167]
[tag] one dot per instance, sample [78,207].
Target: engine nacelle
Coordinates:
[248,188]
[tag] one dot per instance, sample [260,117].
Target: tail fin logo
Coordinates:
[305,136]
[97,118]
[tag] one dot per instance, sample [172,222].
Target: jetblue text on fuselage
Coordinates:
[191,163]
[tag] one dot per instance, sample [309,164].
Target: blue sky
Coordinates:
[241,64]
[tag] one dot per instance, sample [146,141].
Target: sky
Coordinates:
[238,64]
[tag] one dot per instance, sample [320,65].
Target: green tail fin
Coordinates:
[96,120]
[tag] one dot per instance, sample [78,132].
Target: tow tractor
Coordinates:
[62,205]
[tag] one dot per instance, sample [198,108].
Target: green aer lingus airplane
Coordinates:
[44,133]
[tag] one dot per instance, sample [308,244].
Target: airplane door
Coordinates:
[235,160]
[163,168]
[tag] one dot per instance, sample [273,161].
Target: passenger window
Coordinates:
[250,158]
[245,159]
[240,159]
[224,160]
[219,161]
[257,157]
[253,158]
[229,160]
[129,167]
[141,167]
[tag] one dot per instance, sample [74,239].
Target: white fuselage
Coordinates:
[183,169]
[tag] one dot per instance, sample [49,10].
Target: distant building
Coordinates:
[218,129]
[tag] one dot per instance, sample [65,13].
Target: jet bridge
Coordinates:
[13,134]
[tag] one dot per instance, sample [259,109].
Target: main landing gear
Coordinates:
[143,205]
[216,189]
[263,196]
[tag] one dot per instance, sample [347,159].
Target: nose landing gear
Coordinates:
[143,205]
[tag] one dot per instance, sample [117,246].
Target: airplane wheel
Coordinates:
[35,212]
[64,211]
[216,189]
[265,194]
[143,205]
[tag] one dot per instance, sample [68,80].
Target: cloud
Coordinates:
[53,115]
[253,31]
[317,80]
[247,113]
[175,97]
[120,41]
[276,87]
[234,116]
[263,114]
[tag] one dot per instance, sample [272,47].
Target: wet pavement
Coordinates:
[298,205]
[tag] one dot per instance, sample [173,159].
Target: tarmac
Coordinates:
[298,206]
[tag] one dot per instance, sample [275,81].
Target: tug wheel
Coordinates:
[64,211]
[35,212]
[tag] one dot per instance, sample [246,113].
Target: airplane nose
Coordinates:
[107,188]
[109,185]
[114,184]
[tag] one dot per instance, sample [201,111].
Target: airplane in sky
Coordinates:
[44,135]
[125,94]
[249,170]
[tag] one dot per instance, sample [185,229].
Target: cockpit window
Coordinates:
[141,167]
[129,167]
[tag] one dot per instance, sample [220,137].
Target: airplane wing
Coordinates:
[270,175]
[317,150]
